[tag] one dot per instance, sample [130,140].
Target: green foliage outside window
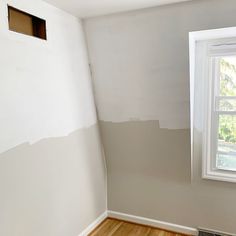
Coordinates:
[227,123]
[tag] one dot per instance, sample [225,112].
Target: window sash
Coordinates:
[214,101]
[215,145]
[218,100]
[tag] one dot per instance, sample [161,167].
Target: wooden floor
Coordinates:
[113,227]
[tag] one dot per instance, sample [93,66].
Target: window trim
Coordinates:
[194,37]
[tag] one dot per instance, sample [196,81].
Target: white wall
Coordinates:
[45,85]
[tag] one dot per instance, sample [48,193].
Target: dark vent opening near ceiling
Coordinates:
[25,23]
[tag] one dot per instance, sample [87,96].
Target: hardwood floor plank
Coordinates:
[158,232]
[113,227]
[106,228]
[131,230]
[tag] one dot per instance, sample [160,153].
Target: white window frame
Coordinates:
[209,171]
[211,120]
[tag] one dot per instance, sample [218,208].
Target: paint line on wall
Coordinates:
[45,86]
[135,74]
[163,126]
[35,142]
[167,119]
[53,183]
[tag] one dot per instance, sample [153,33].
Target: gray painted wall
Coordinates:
[56,187]
[149,176]
[148,166]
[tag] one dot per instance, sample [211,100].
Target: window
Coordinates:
[25,23]
[225,113]
[220,120]
[213,101]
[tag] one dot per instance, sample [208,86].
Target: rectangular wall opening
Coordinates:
[25,23]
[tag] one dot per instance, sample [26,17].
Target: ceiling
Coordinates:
[91,8]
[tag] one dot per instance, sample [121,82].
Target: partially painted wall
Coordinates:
[45,85]
[52,170]
[55,187]
[140,64]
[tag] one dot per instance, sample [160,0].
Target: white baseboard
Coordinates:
[153,223]
[139,220]
[94,224]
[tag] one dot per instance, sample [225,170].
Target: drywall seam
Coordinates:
[89,65]
[45,86]
[95,105]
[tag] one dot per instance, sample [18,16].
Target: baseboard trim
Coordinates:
[139,220]
[94,224]
[154,223]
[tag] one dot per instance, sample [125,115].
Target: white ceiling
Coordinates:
[90,8]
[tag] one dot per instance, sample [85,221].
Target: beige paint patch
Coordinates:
[142,150]
[149,175]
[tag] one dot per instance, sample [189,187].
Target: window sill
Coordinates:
[220,175]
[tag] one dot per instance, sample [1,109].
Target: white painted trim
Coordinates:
[192,61]
[154,223]
[229,32]
[213,34]
[94,224]
[139,220]
[219,175]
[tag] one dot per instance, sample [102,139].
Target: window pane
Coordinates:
[226,104]
[228,76]
[226,154]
